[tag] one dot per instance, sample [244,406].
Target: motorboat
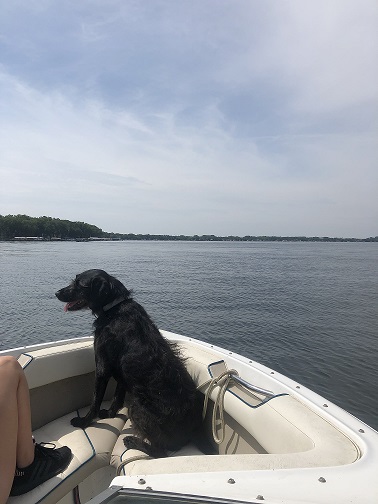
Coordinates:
[274,440]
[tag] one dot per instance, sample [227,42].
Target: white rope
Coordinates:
[129,460]
[222,381]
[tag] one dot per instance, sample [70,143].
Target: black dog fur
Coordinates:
[163,403]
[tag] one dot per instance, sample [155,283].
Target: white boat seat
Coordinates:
[121,457]
[52,364]
[58,383]
[91,450]
[322,446]
[290,435]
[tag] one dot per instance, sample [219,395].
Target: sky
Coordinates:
[225,117]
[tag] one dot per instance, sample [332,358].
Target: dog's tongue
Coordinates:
[68,305]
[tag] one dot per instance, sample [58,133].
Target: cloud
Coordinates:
[174,117]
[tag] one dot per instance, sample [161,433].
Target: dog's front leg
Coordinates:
[118,401]
[100,386]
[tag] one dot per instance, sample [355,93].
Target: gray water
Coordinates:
[307,310]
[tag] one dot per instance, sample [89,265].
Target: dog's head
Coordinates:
[94,289]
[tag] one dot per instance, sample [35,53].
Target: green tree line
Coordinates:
[248,238]
[48,228]
[12,226]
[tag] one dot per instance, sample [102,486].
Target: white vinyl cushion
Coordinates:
[91,450]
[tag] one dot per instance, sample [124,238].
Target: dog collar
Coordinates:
[113,303]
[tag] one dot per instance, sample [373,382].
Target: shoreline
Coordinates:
[195,238]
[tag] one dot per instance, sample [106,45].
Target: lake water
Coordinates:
[307,310]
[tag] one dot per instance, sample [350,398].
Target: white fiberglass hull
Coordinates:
[282,442]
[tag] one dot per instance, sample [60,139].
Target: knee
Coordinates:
[10,364]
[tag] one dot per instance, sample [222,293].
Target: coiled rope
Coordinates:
[222,381]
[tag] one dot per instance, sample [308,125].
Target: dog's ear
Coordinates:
[100,290]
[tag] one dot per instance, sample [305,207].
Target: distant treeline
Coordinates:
[12,226]
[48,228]
[247,238]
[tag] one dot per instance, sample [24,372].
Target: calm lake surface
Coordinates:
[307,310]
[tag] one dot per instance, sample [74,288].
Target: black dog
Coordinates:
[163,403]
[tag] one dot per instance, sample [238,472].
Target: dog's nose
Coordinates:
[57,293]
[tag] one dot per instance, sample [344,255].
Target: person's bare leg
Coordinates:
[15,423]
[25,445]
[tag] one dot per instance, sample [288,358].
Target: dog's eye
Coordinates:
[81,285]
[76,283]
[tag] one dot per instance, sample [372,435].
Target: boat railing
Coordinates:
[252,387]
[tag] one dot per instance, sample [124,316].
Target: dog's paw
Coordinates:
[135,443]
[105,413]
[79,422]
[132,443]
